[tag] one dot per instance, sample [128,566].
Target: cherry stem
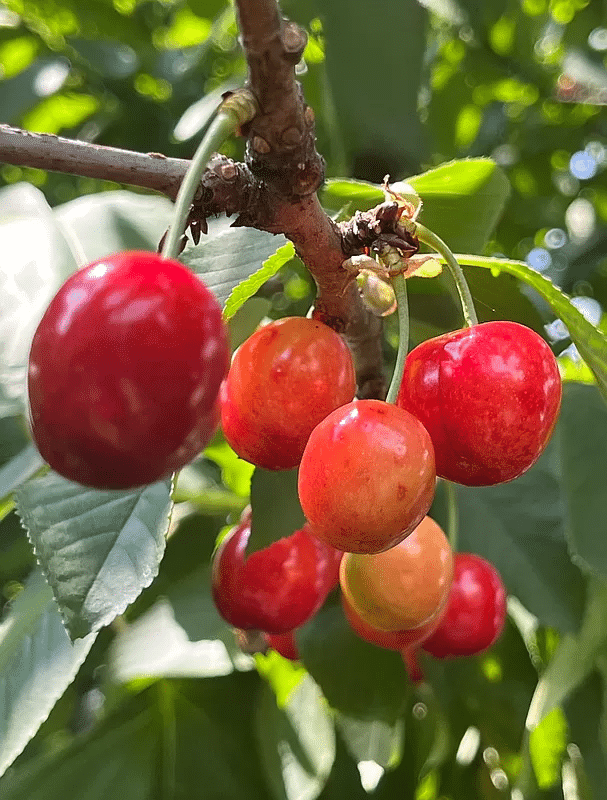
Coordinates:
[436,243]
[452,515]
[236,110]
[399,284]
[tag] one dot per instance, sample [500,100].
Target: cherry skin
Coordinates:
[367,476]
[286,378]
[124,371]
[489,397]
[475,612]
[276,589]
[395,640]
[404,587]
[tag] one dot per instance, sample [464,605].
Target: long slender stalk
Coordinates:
[452,515]
[436,243]
[399,284]
[235,111]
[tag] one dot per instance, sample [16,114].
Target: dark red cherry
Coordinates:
[275,589]
[489,397]
[124,371]
[284,643]
[286,378]
[475,612]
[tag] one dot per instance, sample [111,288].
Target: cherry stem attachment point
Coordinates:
[436,243]
[236,110]
[399,284]
[452,515]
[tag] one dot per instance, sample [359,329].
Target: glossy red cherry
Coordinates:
[475,612]
[286,378]
[367,477]
[404,587]
[489,397]
[390,640]
[276,589]
[124,371]
[284,643]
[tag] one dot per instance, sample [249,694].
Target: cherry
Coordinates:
[286,378]
[367,477]
[404,587]
[475,612]
[275,589]
[284,643]
[124,371]
[489,397]
[395,640]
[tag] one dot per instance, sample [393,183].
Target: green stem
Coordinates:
[436,243]
[399,285]
[235,111]
[452,515]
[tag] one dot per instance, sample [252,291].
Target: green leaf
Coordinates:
[585,712]
[37,664]
[276,511]
[19,469]
[98,550]
[118,760]
[462,201]
[519,527]
[36,260]
[376,689]
[374,66]
[231,256]
[241,293]
[591,342]
[109,222]
[573,659]
[372,740]
[296,741]
[582,440]
[156,645]
[175,740]
[547,744]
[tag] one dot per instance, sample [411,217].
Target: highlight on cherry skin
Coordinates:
[276,589]
[489,396]
[284,380]
[402,588]
[367,476]
[124,371]
[475,613]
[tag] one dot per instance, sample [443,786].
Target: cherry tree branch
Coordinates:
[274,191]
[57,154]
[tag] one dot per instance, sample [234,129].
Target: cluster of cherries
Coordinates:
[476,406]
[128,378]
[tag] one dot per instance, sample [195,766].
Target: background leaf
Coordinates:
[273,520]
[296,741]
[326,641]
[98,550]
[37,664]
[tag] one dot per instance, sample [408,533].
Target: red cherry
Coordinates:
[366,478]
[286,378]
[391,640]
[284,643]
[475,613]
[275,589]
[489,397]
[124,371]
[404,587]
